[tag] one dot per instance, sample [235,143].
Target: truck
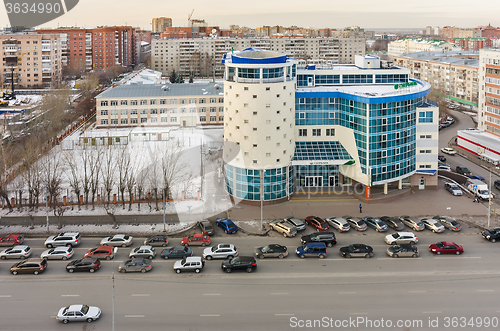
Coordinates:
[479,188]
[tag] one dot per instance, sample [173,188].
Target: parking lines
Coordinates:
[5,296]
[212,294]
[140,295]
[485,290]
[417,291]
[214,315]
[279,293]
[348,292]
[70,295]
[134,316]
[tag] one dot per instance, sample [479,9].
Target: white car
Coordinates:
[58,253]
[448,150]
[338,223]
[401,238]
[221,251]
[63,239]
[444,168]
[453,188]
[190,263]
[78,313]
[146,252]
[117,240]
[16,252]
[299,224]
[433,225]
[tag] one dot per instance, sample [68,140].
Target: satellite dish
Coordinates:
[214,31]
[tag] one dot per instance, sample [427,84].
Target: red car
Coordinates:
[446,247]
[317,222]
[12,239]
[101,252]
[196,239]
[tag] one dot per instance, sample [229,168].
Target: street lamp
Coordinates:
[164,210]
[115,250]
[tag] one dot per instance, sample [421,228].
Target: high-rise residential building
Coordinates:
[363,123]
[31,60]
[202,56]
[436,31]
[454,74]
[159,24]
[428,31]
[450,32]
[412,45]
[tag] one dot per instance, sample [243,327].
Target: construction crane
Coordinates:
[189,18]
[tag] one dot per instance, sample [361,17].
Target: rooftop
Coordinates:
[159,90]
[463,58]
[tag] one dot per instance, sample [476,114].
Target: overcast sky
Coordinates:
[305,13]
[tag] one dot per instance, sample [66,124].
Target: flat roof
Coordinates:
[162,90]
[453,58]
[484,138]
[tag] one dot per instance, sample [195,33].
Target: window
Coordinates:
[173,119]
[163,110]
[144,111]
[113,112]
[213,109]
[164,119]
[123,103]
[173,111]
[277,128]
[114,102]
[203,118]
[202,110]
[245,88]
[152,102]
[154,119]
[255,113]
[104,103]
[182,101]
[163,101]
[114,121]
[144,120]
[192,109]
[124,112]
[133,102]
[124,121]
[192,100]
[104,112]
[213,118]
[316,132]
[330,132]
[268,88]
[245,121]
[268,137]
[268,154]
[133,121]
[254,145]
[153,111]
[254,161]
[213,100]
[221,109]
[144,102]
[425,117]
[133,112]
[302,132]
[254,129]
[277,160]
[255,96]
[104,122]
[173,101]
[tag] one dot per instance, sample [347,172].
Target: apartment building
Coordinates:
[412,45]
[31,60]
[184,105]
[455,74]
[450,32]
[489,92]
[202,56]
[472,44]
[160,23]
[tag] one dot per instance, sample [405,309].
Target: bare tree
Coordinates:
[5,163]
[140,184]
[59,213]
[108,166]
[74,175]
[52,177]
[95,171]
[85,156]
[154,178]
[130,183]
[173,169]
[124,166]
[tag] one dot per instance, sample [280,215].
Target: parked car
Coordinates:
[311,249]
[176,252]
[441,158]
[448,150]
[136,264]
[227,225]
[403,250]
[492,234]
[444,168]
[446,247]
[463,171]
[117,240]
[101,252]
[221,251]
[29,266]
[16,252]
[325,237]
[190,263]
[286,228]
[158,240]
[78,313]
[63,239]
[448,223]
[355,223]
[58,253]
[145,252]
[90,264]
[11,240]
[433,225]
[356,250]
[453,189]
[197,239]
[247,263]
[272,250]
[207,228]
[481,178]
[317,222]
[338,223]
[401,238]
[375,223]
[393,222]
[299,224]
[496,183]
[412,222]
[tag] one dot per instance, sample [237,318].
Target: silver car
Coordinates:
[433,225]
[338,223]
[356,223]
[146,252]
[221,251]
[299,224]
[58,253]
[117,240]
[16,252]
[63,239]
[448,223]
[189,263]
[401,238]
[78,313]
[135,265]
[412,222]
[403,251]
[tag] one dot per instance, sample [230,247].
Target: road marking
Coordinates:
[417,291]
[140,295]
[456,257]
[5,296]
[212,294]
[70,295]
[215,315]
[358,313]
[284,314]
[348,292]
[431,312]
[396,258]
[133,316]
[485,290]
[279,293]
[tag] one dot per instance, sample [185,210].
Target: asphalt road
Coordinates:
[275,297]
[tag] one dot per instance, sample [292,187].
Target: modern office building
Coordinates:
[366,123]
[452,74]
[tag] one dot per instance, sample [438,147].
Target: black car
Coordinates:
[207,228]
[497,184]
[247,263]
[158,240]
[492,235]
[89,264]
[463,171]
[356,250]
[176,252]
[393,223]
[326,237]
[441,158]
[273,250]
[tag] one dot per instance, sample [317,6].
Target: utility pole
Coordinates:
[164,208]
[489,201]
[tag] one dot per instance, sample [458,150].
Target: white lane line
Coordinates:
[279,293]
[215,315]
[417,291]
[212,294]
[485,290]
[431,312]
[5,296]
[395,258]
[70,295]
[348,292]
[134,316]
[358,313]
[284,314]
[456,257]
[140,295]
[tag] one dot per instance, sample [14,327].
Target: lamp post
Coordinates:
[115,250]
[164,210]
[489,201]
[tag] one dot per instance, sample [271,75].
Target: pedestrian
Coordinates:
[360,208]
[475,199]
